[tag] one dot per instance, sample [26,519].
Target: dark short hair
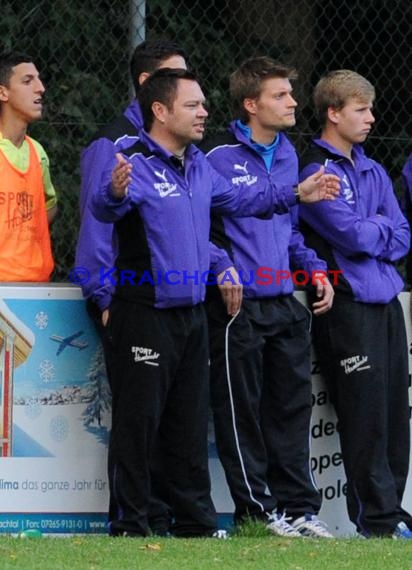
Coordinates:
[160,86]
[149,55]
[8,60]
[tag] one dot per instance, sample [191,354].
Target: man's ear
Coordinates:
[4,93]
[250,106]
[159,111]
[143,76]
[333,115]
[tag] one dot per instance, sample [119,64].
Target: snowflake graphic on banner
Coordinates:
[46,371]
[33,408]
[41,320]
[59,428]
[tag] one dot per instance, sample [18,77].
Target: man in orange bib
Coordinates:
[27,196]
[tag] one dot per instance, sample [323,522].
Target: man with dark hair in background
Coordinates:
[96,247]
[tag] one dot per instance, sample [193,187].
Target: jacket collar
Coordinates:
[282,147]
[190,155]
[360,159]
[134,114]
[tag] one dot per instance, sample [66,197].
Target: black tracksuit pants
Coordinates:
[261,399]
[362,351]
[160,384]
[160,515]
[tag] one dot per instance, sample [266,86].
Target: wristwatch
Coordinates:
[296,191]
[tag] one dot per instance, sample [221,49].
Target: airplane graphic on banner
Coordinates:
[69,341]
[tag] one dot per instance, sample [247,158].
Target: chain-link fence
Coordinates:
[82,48]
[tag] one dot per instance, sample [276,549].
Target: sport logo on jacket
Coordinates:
[347,190]
[165,188]
[245,178]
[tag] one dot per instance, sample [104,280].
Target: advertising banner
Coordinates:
[54,413]
[55,421]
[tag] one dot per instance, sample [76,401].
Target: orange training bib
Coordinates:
[25,249]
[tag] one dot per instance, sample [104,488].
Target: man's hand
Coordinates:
[121,177]
[319,186]
[324,292]
[231,290]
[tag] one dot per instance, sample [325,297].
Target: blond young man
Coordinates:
[361,342]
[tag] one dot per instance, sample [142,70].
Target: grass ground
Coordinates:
[248,550]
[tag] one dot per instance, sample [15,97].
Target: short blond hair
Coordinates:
[336,88]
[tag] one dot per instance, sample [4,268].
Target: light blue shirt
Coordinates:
[267,152]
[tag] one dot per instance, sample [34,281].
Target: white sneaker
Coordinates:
[402,531]
[278,525]
[220,534]
[310,526]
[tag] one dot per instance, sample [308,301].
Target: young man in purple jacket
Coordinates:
[160,201]
[260,359]
[361,342]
